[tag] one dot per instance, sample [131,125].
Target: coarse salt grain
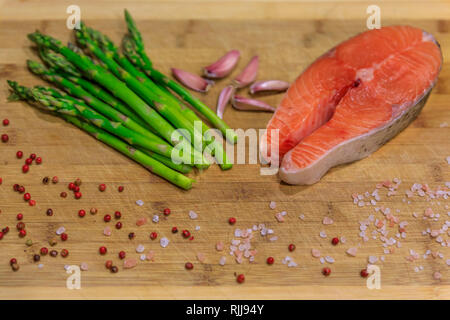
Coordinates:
[272,205]
[301,217]
[329,259]
[142,257]
[322,234]
[193,215]
[197,228]
[164,242]
[155,218]
[140,203]
[40,266]
[60,230]
[140,248]
[372,259]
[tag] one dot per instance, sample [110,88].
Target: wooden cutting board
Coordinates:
[286,43]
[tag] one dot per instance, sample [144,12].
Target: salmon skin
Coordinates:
[351,101]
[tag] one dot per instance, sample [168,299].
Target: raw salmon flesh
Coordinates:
[351,101]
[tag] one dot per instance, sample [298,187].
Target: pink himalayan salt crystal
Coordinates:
[222,261]
[352,251]
[219,246]
[437,275]
[84,266]
[129,263]
[315,253]
[107,231]
[327,220]
[150,256]
[141,221]
[201,257]
[428,212]
[279,217]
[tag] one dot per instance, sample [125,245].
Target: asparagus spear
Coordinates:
[188,113]
[118,129]
[85,38]
[161,78]
[100,106]
[107,80]
[148,162]
[141,157]
[183,168]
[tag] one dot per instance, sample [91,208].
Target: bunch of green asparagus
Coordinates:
[118,97]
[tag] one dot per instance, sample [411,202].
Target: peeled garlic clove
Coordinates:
[192,81]
[224,97]
[223,66]
[243,103]
[269,85]
[248,75]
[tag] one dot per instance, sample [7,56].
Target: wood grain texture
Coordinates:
[191,36]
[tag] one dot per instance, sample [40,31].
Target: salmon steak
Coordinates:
[351,101]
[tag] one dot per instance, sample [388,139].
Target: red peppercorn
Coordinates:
[44,251]
[291,247]
[25,168]
[21,189]
[32,156]
[119,225]
[232,220]
[13,261]
[16,187]
[326,271]
[71,186]
[1,235]
[166,211]
[38,160]
[19,216]
[364,273]
[114,269]
[64,253]
[1,180]
[102,187]
[107,218]
[63,194]
[55,180]
[81,213]
[117,214]
[5,230]
[153,235]
[27,196]
[20,225]
[102,250]
[28,161]
[189,266]
[5,138]
[335,241]
[76,189]
[121,188]
[174,229]
[122,255]
[22,233]
[32,202]
[131,235]
[77,182]
[240,278]
[5,122]
[64,236]
[78,195]
[186,233]
[108,264]
[270,260]
[19,154]
[49,212]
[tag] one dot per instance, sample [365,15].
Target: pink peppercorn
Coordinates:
[364,273]
[28,161]
[291,247]
[102,250]
[32,202]
[22,233]
[326,271]
[5,138]
[122,255]
[81,213]
[78,195]
[107,218]
[120,188]
[335,241]
[38,160]
[64,236]
[119,225]
[32,156]
[189,266]
[117,214]
[153,235]
[25,168]
[19,154]
[166,211]
[26,196]
[270,260]
[240,278]
[19,216]
[44,251]
[232,220]
[102,187]
[5,122]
